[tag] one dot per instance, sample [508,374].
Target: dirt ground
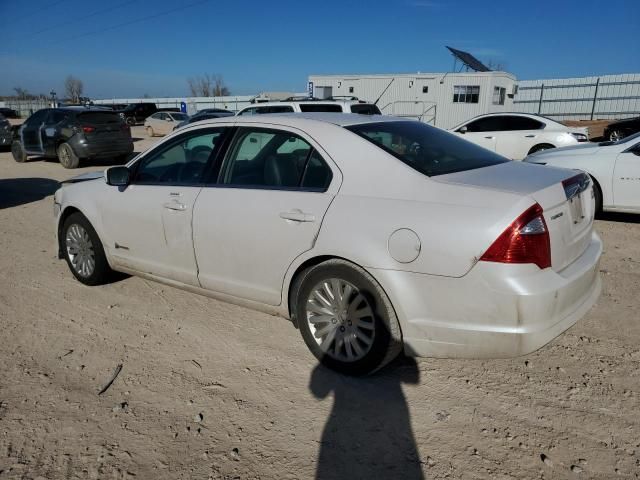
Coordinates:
[211,390]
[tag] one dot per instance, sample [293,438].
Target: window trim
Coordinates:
[226,161]
[163,147]
[468,94]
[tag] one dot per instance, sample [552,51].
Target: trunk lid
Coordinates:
[566,196]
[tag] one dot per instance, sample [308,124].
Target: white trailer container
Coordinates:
[440,99]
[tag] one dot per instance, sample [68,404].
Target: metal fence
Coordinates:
[24,108]
[587,98]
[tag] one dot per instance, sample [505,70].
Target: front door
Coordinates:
[32,132]
[483,132]
[150,219]
[265,210]
[626,179]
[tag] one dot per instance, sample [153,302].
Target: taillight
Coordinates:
[526,240]
[87,129]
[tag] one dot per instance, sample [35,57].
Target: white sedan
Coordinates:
[163,123]
[516,135]
[372,234]
[613,166]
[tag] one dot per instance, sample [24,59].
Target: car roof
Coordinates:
[294,119]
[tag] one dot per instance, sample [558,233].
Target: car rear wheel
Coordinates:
[150,131]
[345,318]
[67,156]
[83,251]
[18,152]
[616,135]
[540,148]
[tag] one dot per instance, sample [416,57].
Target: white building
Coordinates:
[440,99]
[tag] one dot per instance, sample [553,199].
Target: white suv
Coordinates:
[516,135]
[352,105]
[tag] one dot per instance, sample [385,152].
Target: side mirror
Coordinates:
[463,129]
[117,176]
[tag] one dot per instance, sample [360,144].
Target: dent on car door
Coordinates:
[31,132]
[264,210]
[149,222]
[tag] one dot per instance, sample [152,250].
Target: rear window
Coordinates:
[99,117]
[428,150]
[320,107]
[365,109]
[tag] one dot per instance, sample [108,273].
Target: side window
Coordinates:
[322,107]
[273,158]
[55,117]
[181,163]
[37,118]
[522,123]
[317,174]
[487,124]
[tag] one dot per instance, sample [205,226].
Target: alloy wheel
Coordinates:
[80,250]
[340,319]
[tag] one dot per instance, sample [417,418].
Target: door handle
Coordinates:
[177,206]
[530,136]
[489,138]
[297,216]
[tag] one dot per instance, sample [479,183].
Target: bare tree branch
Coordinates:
[207,85]
[73,88]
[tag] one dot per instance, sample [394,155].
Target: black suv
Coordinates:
[71,134]
[137,112]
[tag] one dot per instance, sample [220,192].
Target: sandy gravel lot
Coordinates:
[211,390]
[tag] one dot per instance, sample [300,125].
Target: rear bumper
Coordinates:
[102,150]
[494,311]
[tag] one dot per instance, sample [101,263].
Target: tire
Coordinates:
[67,157]
[18,152]
[80,244]
[354,344]
[616,135]
[540,148]
[150,132]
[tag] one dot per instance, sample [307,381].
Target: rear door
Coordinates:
[150,220]
[518,136]
[264,211]
[31,132]
[626,179]
[52,130]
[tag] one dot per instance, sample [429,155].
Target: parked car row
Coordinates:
[398,235]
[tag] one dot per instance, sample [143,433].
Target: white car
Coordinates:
[613,166]
[163,123]
[516,135]
[312,105]
[370,233]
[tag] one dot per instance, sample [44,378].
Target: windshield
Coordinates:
[621,141]
[180,116]
[427,149]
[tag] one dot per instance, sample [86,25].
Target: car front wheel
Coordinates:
[83,251]
[345,318]
[616,135]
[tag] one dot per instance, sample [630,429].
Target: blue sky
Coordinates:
[274,45]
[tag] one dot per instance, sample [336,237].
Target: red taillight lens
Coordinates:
[87,129]
[526,240]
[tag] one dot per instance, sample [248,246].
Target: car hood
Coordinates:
[84,177]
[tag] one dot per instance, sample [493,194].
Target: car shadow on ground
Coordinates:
[368,433]
[18,191]
[619,217]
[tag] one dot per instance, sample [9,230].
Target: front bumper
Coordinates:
[496,310]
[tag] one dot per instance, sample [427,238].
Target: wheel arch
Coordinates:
[538,146]
[66,213]
[291,287]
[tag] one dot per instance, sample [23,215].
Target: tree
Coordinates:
[21,93]
[207,85]
[73,88]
